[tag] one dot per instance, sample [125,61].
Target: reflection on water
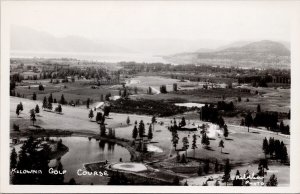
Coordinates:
[81,151]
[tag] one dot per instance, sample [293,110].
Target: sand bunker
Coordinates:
[152,148]
[214,131]
[129,166]
[190,105]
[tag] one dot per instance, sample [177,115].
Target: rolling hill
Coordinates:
[261,54]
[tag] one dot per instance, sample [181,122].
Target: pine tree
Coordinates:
[207,142]
[13,159]
[49,105]
[258,108]
[221,145]
[88,103]
[98,117]
[50,98]
[221,121]
[91,114]
[242,122]
[37,109]
[32,116]
[265,146]
[271,146]
[141,129]
[106,110]
[149,90]
[153,121]
[45,103]
[150,133]
[237,181]
[34,96]
[62,99]
[182,123]
[194,143]
[128,120]
[185,143]
[272,181]
[21,106]
[227,170]
[175,87]
[225,131]
[175,139]
[284,154]
[203,139]
[248,120]
[18,110]
[134,132]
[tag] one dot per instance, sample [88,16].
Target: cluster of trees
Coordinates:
[100,119]
[47,104]
[175,127]
[225,106]
[285,129]
[266,119]
[275,149]
[206,168]
[61,72]
[209,113]
[148,107]
[256,80]
[30,157]
[17,77]
[246,75]
[139,132]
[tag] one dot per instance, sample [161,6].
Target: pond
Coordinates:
[82,151]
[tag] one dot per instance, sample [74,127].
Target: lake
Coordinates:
[100,57]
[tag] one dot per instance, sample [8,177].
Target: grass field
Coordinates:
[76,119]
[80,90]
[270,99]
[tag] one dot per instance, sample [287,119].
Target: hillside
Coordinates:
[262,54]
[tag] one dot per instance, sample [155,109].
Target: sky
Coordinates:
[125,21]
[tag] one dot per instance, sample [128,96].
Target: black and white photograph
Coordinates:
[141,93]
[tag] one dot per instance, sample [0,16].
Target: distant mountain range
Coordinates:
[27,39]
[261,54]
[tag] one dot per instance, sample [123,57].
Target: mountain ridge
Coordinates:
[260,54]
